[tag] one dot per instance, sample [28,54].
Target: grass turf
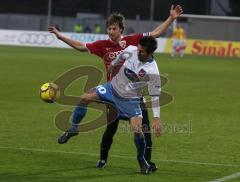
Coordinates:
[201,140]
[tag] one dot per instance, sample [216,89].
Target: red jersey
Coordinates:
[108,50]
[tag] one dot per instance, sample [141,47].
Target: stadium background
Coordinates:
[201,139]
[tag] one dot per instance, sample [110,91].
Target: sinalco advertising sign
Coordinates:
[208,48]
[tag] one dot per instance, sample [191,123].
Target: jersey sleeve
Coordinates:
[154,81]
[96,48]
[154,85]
[134,39]
[154,89]
[183,33]
[174,34]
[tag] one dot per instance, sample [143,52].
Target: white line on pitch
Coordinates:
[120,156]
[226,178]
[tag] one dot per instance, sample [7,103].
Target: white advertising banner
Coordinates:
[43,39]
[46,39]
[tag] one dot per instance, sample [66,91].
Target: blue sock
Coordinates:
[78,115]
[140,143]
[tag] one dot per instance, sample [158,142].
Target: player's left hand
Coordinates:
[176,11]
[157,127]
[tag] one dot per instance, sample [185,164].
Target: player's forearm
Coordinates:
[156,106]
[121,57]
[162,28]
[73,43]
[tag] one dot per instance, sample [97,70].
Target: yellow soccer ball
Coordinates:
[49,92]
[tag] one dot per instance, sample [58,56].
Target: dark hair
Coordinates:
[116,18]
[149,43]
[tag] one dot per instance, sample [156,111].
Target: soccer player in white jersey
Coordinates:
[125,92]
[108,50]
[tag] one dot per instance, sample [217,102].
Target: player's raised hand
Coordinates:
[54,30]
[176,11]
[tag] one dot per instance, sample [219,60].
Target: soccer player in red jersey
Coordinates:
[108,50]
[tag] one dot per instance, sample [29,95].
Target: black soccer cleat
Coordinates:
[144,167]
[153,166]
[66,136]
[101,164]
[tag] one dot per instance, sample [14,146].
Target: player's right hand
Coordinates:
[54,30]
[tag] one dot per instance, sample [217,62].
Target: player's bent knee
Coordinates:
[85,99]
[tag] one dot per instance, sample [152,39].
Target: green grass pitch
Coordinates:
[202,125]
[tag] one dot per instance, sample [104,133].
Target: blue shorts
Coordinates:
[127,107]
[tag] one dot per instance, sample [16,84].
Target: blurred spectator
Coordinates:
[98,29]
[87,29]
[178,41]
[78,28]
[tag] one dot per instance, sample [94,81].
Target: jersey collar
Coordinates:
[116,42]
[150,60]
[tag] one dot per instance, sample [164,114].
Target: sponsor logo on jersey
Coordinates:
[142,73]
[111,55]
[123,44]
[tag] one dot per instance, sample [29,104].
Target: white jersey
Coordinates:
[134,75]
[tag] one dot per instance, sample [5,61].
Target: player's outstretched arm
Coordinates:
[156,116]
[175,12]
[73,43]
